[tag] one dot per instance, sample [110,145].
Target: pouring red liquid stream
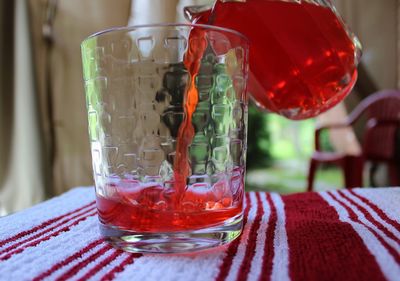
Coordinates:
[302,59]
[197,46]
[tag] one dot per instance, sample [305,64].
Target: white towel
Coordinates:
[344,235]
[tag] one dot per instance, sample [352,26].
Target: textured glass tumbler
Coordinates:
[167,111]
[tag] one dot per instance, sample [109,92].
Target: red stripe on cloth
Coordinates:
[374,207]
[269,242]
[321,247]
[369,217]
[353,216]
[85,262]
[42,225]
[68,260]
[119,268]
[100,265]
[233,247]
[251,246]
[44,238]
[45,231]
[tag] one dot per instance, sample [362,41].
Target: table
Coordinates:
[336,235]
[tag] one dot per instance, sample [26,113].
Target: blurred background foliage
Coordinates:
[279,151]
[272,138]
[258,139]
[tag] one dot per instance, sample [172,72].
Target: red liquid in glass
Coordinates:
[302,60]
[146,208]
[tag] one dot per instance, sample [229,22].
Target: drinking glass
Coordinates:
[167,112]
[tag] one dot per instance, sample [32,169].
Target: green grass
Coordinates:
[332,176]
[291,179]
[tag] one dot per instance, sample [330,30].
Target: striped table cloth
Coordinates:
[337,235]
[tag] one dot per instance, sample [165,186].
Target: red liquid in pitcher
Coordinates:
[302,60]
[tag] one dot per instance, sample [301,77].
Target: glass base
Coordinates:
[173,242]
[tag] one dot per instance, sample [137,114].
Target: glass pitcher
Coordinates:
[303,58]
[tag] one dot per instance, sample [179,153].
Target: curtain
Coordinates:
[6,86]
[22,179]
[58,28]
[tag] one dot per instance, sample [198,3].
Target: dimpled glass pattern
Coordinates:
[135,82]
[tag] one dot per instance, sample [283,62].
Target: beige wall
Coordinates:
[376,24]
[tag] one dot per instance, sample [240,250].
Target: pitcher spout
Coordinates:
[194,12]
